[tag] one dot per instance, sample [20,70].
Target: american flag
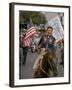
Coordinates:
[28,37]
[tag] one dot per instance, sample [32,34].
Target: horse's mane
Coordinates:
[46,62]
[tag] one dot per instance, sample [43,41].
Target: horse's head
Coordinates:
[47,53]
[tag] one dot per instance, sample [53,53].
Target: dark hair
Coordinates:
[49,27]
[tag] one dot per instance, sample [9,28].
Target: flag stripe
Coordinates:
[32,33]
[31,28]
[27,42]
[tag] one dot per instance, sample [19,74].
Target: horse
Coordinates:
[44,65]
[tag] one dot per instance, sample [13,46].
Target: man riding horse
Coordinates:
[47,42]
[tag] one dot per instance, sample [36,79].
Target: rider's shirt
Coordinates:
[47,42]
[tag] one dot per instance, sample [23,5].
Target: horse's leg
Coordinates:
[36,67]
[54,66]
[37,73]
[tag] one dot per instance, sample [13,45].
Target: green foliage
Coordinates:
[37,17]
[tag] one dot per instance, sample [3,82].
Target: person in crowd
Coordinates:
[25,50]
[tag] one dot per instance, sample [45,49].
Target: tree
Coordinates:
[37,17]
